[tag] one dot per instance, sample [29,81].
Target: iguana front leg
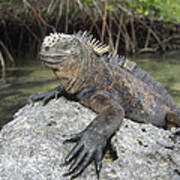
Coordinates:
[92,141]
[46,96]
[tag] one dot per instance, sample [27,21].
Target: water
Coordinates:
[21,82]
[31,77]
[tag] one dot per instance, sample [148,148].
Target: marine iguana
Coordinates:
[112,86]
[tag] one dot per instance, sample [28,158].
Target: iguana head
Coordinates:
[59,48]
[69,55]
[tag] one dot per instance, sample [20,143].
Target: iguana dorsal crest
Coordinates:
[98,47]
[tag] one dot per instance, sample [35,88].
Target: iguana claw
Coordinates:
[90,146]
[47,96]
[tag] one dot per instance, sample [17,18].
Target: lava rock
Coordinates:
[31,146]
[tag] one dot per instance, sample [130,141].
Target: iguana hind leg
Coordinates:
[47,96]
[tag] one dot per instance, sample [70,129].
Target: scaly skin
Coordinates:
[112,87]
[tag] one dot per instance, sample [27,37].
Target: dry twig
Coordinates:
[7,53]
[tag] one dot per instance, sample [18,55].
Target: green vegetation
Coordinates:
[166,10]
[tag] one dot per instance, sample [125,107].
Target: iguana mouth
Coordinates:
[52,59]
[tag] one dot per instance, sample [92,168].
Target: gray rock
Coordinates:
[31,146]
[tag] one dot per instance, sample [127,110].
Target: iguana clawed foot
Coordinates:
[47,96]
[90,146]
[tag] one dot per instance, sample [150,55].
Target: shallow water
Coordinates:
[31,77]
[21,82]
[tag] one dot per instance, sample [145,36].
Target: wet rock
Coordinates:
[31,146]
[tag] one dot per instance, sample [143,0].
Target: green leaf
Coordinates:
[110,7]
[5,1]
[85,1]
[140,11]
[146,12]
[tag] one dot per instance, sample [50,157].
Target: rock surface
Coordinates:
[31,146]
